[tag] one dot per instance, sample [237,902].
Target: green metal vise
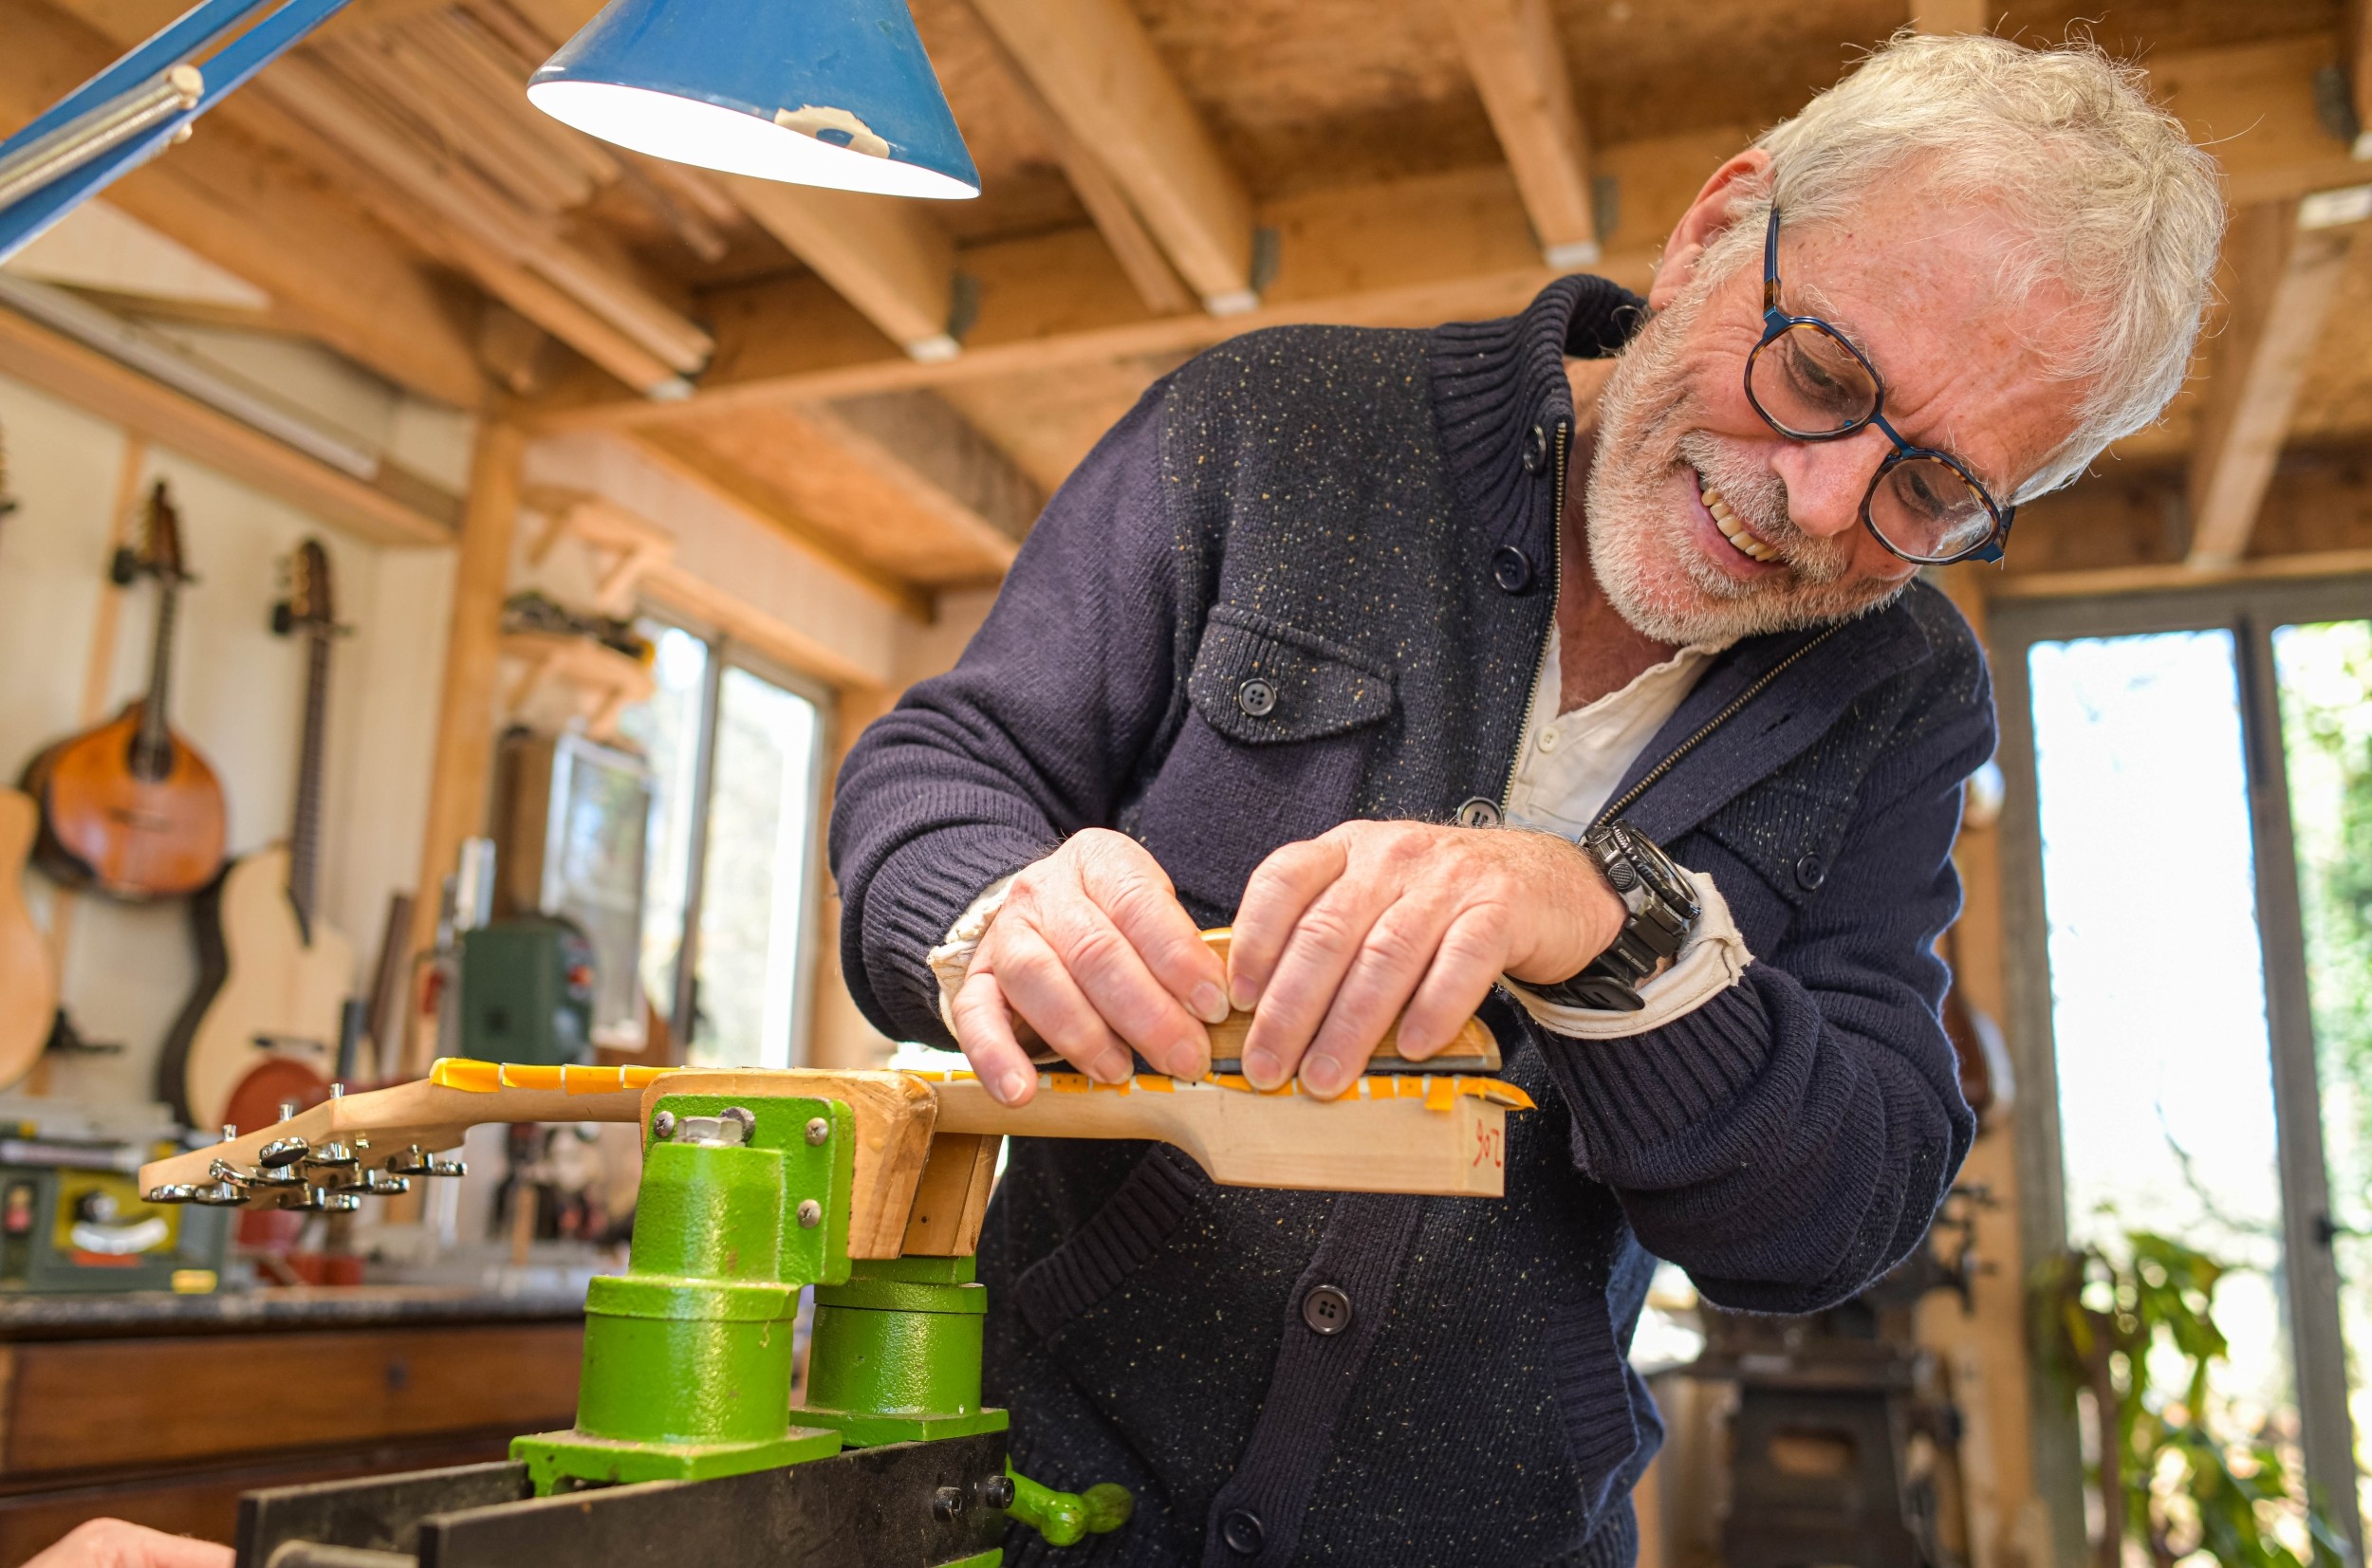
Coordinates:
[688,1357]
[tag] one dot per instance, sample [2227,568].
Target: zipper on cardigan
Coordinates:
[1556,586]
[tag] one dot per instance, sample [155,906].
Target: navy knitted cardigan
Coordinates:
[1366,520]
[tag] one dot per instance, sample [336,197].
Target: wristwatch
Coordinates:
[1664,910]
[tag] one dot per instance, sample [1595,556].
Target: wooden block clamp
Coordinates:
[925,1142]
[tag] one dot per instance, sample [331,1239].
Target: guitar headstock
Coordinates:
[309,606]
[159,552]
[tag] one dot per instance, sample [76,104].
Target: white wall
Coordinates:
[238,696]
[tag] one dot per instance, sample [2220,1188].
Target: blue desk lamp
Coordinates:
[816,92]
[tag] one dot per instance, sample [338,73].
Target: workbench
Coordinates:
[162,1409]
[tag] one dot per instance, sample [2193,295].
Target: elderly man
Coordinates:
[1403,652]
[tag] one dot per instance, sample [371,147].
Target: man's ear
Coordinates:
[1704,222]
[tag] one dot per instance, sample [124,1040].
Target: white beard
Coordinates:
[1646,559]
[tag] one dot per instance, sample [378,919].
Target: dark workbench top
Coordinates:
[147,1312]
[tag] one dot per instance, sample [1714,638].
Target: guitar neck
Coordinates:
[304,831]
[154,750]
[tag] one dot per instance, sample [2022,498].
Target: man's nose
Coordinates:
[1826,480]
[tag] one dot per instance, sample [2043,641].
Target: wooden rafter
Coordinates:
[331,270]
[1094,65]
[885,257]
[680,454]
[932,455]
[1517,61]
[2283,279]
[1412,251]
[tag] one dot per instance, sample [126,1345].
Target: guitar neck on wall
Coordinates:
[262,1024]
[130,808]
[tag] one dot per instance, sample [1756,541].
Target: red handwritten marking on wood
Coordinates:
[1488,1146]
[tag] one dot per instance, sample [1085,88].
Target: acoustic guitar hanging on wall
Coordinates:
[130,809]
[262,1027]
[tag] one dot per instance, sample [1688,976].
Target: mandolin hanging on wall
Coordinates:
[262,1025]
[130,809]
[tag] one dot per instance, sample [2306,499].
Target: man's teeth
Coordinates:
[1732,529]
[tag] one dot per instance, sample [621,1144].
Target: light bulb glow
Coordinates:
[690,130]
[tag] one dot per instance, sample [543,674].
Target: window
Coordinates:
[737,749]
[2189,859]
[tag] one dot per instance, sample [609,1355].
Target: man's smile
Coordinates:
[1742,541]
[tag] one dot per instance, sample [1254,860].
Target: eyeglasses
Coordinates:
[1809,383]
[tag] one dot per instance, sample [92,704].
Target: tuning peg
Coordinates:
[280,1152]
[416,1162]
[316,1200]
[176,1192]
[220,1194]
[330,1159]
[378,1184]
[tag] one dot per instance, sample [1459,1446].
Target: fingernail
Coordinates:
[1261,1068]
[1210,1004]
[1185,1060]
[1241,991]
[1011,1087]
[1111,1067]
[1323,1076]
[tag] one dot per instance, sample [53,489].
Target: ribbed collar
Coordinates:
[1493,381]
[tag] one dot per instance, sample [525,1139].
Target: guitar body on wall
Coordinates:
[28,976]
[130,809]
[262,1025]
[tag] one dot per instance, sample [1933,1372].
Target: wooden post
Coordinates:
[465,713]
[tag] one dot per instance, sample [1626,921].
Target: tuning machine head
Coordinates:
[416,1161]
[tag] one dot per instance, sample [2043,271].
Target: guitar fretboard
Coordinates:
[304,832]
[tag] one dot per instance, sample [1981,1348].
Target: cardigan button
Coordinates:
[1327,1309]
[1242,1532]
[1256,697]
[1811,872]
[1535,450]
[1478,811]
[1511,569]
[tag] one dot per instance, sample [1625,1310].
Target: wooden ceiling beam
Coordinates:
[399,509]
[937,460]
[885,255]
[608,318]
[681,454]
[1448,247]
[1517,61]
[1095,65]
[2283,278]
[1108,208]
[331,270]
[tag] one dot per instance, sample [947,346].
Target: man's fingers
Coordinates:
[1040,988]
[1270,913]
[1129,886]
[984,1030]
[1114,979]
[1299,994]
[1391,961]
[1472,953]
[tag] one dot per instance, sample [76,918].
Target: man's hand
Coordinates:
[1340,934]
[112,1543]
[1094,949]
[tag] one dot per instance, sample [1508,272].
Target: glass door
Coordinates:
[2192,787]
[2324,673]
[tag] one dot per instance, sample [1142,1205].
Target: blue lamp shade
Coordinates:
[817,92]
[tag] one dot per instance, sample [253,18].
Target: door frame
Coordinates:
[2249,611]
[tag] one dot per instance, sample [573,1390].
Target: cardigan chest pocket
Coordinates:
[1278,732]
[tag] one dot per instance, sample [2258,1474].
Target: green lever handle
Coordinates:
[1066,1518]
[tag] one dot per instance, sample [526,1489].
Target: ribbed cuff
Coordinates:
[1631,1094]
[918,892]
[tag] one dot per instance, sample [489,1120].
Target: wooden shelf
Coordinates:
[603,682]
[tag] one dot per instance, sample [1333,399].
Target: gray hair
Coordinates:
[2117,205]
